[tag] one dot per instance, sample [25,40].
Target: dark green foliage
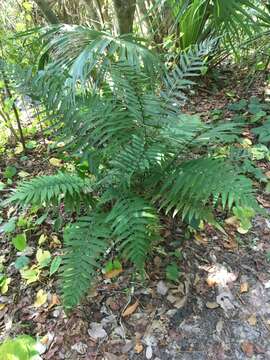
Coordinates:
[45,190]
[263,132]
[135,226]
[196,186]
[86,242]
[143,153]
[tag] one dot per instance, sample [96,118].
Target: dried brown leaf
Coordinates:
[247,348]
[130,309]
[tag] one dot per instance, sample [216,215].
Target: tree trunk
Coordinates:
[124,10]
[47,11]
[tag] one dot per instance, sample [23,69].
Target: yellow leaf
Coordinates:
[43,258]
[2,306]
[252,320]
[244,287]
[42,239]
[130,309]
[55,162]
[41,298]
[30,275]
[241,230]
[201,239]
[4,288]
[18,149]
[113,273]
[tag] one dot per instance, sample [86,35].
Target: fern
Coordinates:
[135,226]
[194,185]
[142,151]
[85,244]
[45,190]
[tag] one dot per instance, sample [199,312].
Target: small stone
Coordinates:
[162,288]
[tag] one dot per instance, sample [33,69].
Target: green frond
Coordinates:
[85,244]
[53,189]
[85,54]
[263,132]
[190,64]
[131,158]
[194,187]
[185,131]
[135,225]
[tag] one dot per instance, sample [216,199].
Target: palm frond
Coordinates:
[85,243]
[135,225]
[54,189]
[194,187]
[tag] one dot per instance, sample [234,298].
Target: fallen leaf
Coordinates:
[230,243]
[96,331]
[233,221]
[80,348]
[41,298]
[55,162]
[130,309]
[211,305]
[179,304]
[252,320]
[30,275]
[113,273]
[138,346]
[263,202]
[242,230]
[43,258]
[201,239]
[244,287]
[162,288]
[55,301]
[267,174]
[2,306]
[219,275]
[42,239]
[4,282]
[247,348]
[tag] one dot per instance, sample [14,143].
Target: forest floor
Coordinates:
[219,309]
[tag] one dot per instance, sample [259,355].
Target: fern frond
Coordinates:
[85,244]
[53,189]
[135,226]
[194,185]
[190,64]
